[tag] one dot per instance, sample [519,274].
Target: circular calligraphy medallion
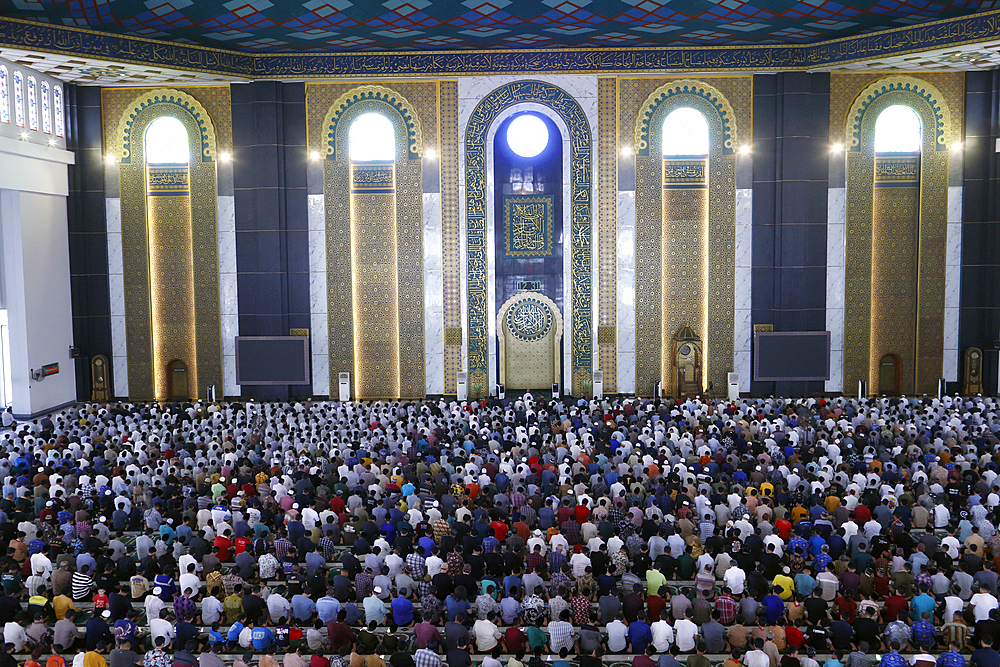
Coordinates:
[529,320]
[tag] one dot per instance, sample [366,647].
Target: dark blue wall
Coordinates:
[272,241]
[791,136]
[979,313]
[88,241]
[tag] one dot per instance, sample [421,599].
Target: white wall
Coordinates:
[35,240]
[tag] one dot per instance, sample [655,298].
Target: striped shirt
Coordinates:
[82,585]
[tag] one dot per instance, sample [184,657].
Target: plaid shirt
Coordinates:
[362,585]
[728,607]
[328,546]
[571,531]
[556,561]
[417,565]
[531,561]
[490,544]
[424,657]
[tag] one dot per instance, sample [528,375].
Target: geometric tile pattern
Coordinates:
[268,26]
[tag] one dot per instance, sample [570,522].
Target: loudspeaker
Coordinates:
[555,390]
[500,392]
[344,387]
[862,389]
[598,384]
[658,389]
[462,385]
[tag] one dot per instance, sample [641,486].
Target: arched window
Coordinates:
[685,132]
[46,111]
[4,96]
[18,99]
[372,139]
[32,104]
[57,105]
[527,135]
[897,130]
[166,142]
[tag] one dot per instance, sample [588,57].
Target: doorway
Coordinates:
[177,372]
[889,369]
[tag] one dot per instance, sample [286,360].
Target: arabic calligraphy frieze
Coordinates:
[167,181]
[580,215]
[898,170]
[528,222]
[685,173]
[50,38]
[372,177]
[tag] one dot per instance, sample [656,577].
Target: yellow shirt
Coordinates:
[61,604]
[787,585]
[94,659]
[654,581]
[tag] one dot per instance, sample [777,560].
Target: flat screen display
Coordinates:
[272,360]
[791,355]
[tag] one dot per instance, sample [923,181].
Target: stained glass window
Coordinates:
[685,132]
[372,138]
[4,96]
[897,130]
[46,111]
[18,100]
[57,104]
[32,105]
[166,142]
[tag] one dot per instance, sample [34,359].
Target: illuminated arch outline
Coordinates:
[686,87]
[415,136]
[166,96]
[907,90]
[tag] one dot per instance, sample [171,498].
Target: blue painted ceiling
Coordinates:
[283,26]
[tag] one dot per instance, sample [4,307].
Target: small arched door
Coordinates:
[889,375]
[178,374]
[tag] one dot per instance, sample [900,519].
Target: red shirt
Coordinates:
[893,605]
[862,514]
[241,544]
[224,545]
[793,636]
[318,661]
[515,639]
[499,530]
[784,527]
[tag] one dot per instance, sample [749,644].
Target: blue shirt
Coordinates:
[327,608]
[402,611]
[639,635]
[234,631]
[302,607]
[922,603]
[893,659]
[774,607]
[261,638]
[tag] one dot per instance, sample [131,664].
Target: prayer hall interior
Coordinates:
[400,199]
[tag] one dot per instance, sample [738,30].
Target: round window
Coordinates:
[527,135]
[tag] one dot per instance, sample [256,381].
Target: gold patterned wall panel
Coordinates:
[684,270]
[872,94]
[373,255]
[407,215]
[607,224]
[530,328]
[650,352]
[895,216]
[173,310]
[451,238]
[149,290]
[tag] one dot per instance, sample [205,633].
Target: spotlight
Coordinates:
[111,159]
[314,155]
[52,142]
[836,148]
[24,136]
[224,156]
[430,153]
[957,146]
[626,151]
[745,149]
